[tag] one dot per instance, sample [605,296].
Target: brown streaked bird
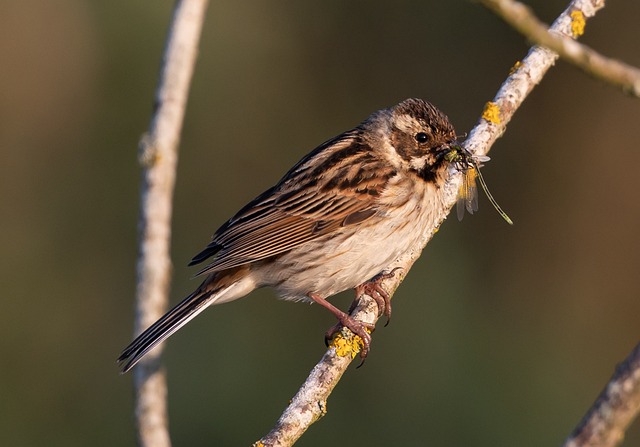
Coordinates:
[335,221]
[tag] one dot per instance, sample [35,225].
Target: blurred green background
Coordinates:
[501,335]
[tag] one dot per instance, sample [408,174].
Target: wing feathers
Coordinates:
[335,186]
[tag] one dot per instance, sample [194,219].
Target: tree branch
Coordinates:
[616,407]
[309,404]
[158,157]
[522,19]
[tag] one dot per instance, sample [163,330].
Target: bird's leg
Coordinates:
[373,289]
[345,320]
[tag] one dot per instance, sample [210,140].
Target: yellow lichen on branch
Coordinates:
[491,113]
[577,23]
[346,345]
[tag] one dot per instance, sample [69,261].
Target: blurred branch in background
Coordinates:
[309,404]
[614,410]
[158,157]
[606,422]
[521,18]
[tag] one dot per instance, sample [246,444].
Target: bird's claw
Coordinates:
[373,289]
[362,330]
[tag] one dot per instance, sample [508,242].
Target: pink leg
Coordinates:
[357,327]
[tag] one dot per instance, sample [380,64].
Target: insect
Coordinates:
[469,165]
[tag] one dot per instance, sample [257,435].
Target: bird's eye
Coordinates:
[422,137]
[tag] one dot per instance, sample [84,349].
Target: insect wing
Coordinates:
[468,193]
[471,190]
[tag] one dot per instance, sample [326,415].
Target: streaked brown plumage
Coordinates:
[337,219]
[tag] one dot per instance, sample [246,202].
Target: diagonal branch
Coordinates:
[158,157]
[522,19]
[616,407]
[309,404]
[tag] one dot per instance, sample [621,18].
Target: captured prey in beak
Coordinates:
[469,165]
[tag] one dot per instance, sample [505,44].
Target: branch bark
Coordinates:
[612,71]
[309,404]
[616,407]
[158,157]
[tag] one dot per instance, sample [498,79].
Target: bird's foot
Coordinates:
[374,289]
[362,330]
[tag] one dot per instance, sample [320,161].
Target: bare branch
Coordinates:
[616,407]
[522,19]
[525,75]
[309,404]
[158,157]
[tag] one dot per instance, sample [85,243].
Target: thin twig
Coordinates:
[158,156]
[616,407]
[612,71]
[309,404]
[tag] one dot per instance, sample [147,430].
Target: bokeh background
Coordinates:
[500,336]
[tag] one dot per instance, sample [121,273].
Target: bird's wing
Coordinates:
[335,186]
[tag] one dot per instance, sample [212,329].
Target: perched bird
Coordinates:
[334,222]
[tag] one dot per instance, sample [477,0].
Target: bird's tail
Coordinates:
[173,320]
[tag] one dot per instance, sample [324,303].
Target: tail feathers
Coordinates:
[162,329]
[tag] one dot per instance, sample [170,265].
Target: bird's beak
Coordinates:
[446,149]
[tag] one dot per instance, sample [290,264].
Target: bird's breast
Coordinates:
[354,254]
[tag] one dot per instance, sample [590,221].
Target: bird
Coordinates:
[335,221]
